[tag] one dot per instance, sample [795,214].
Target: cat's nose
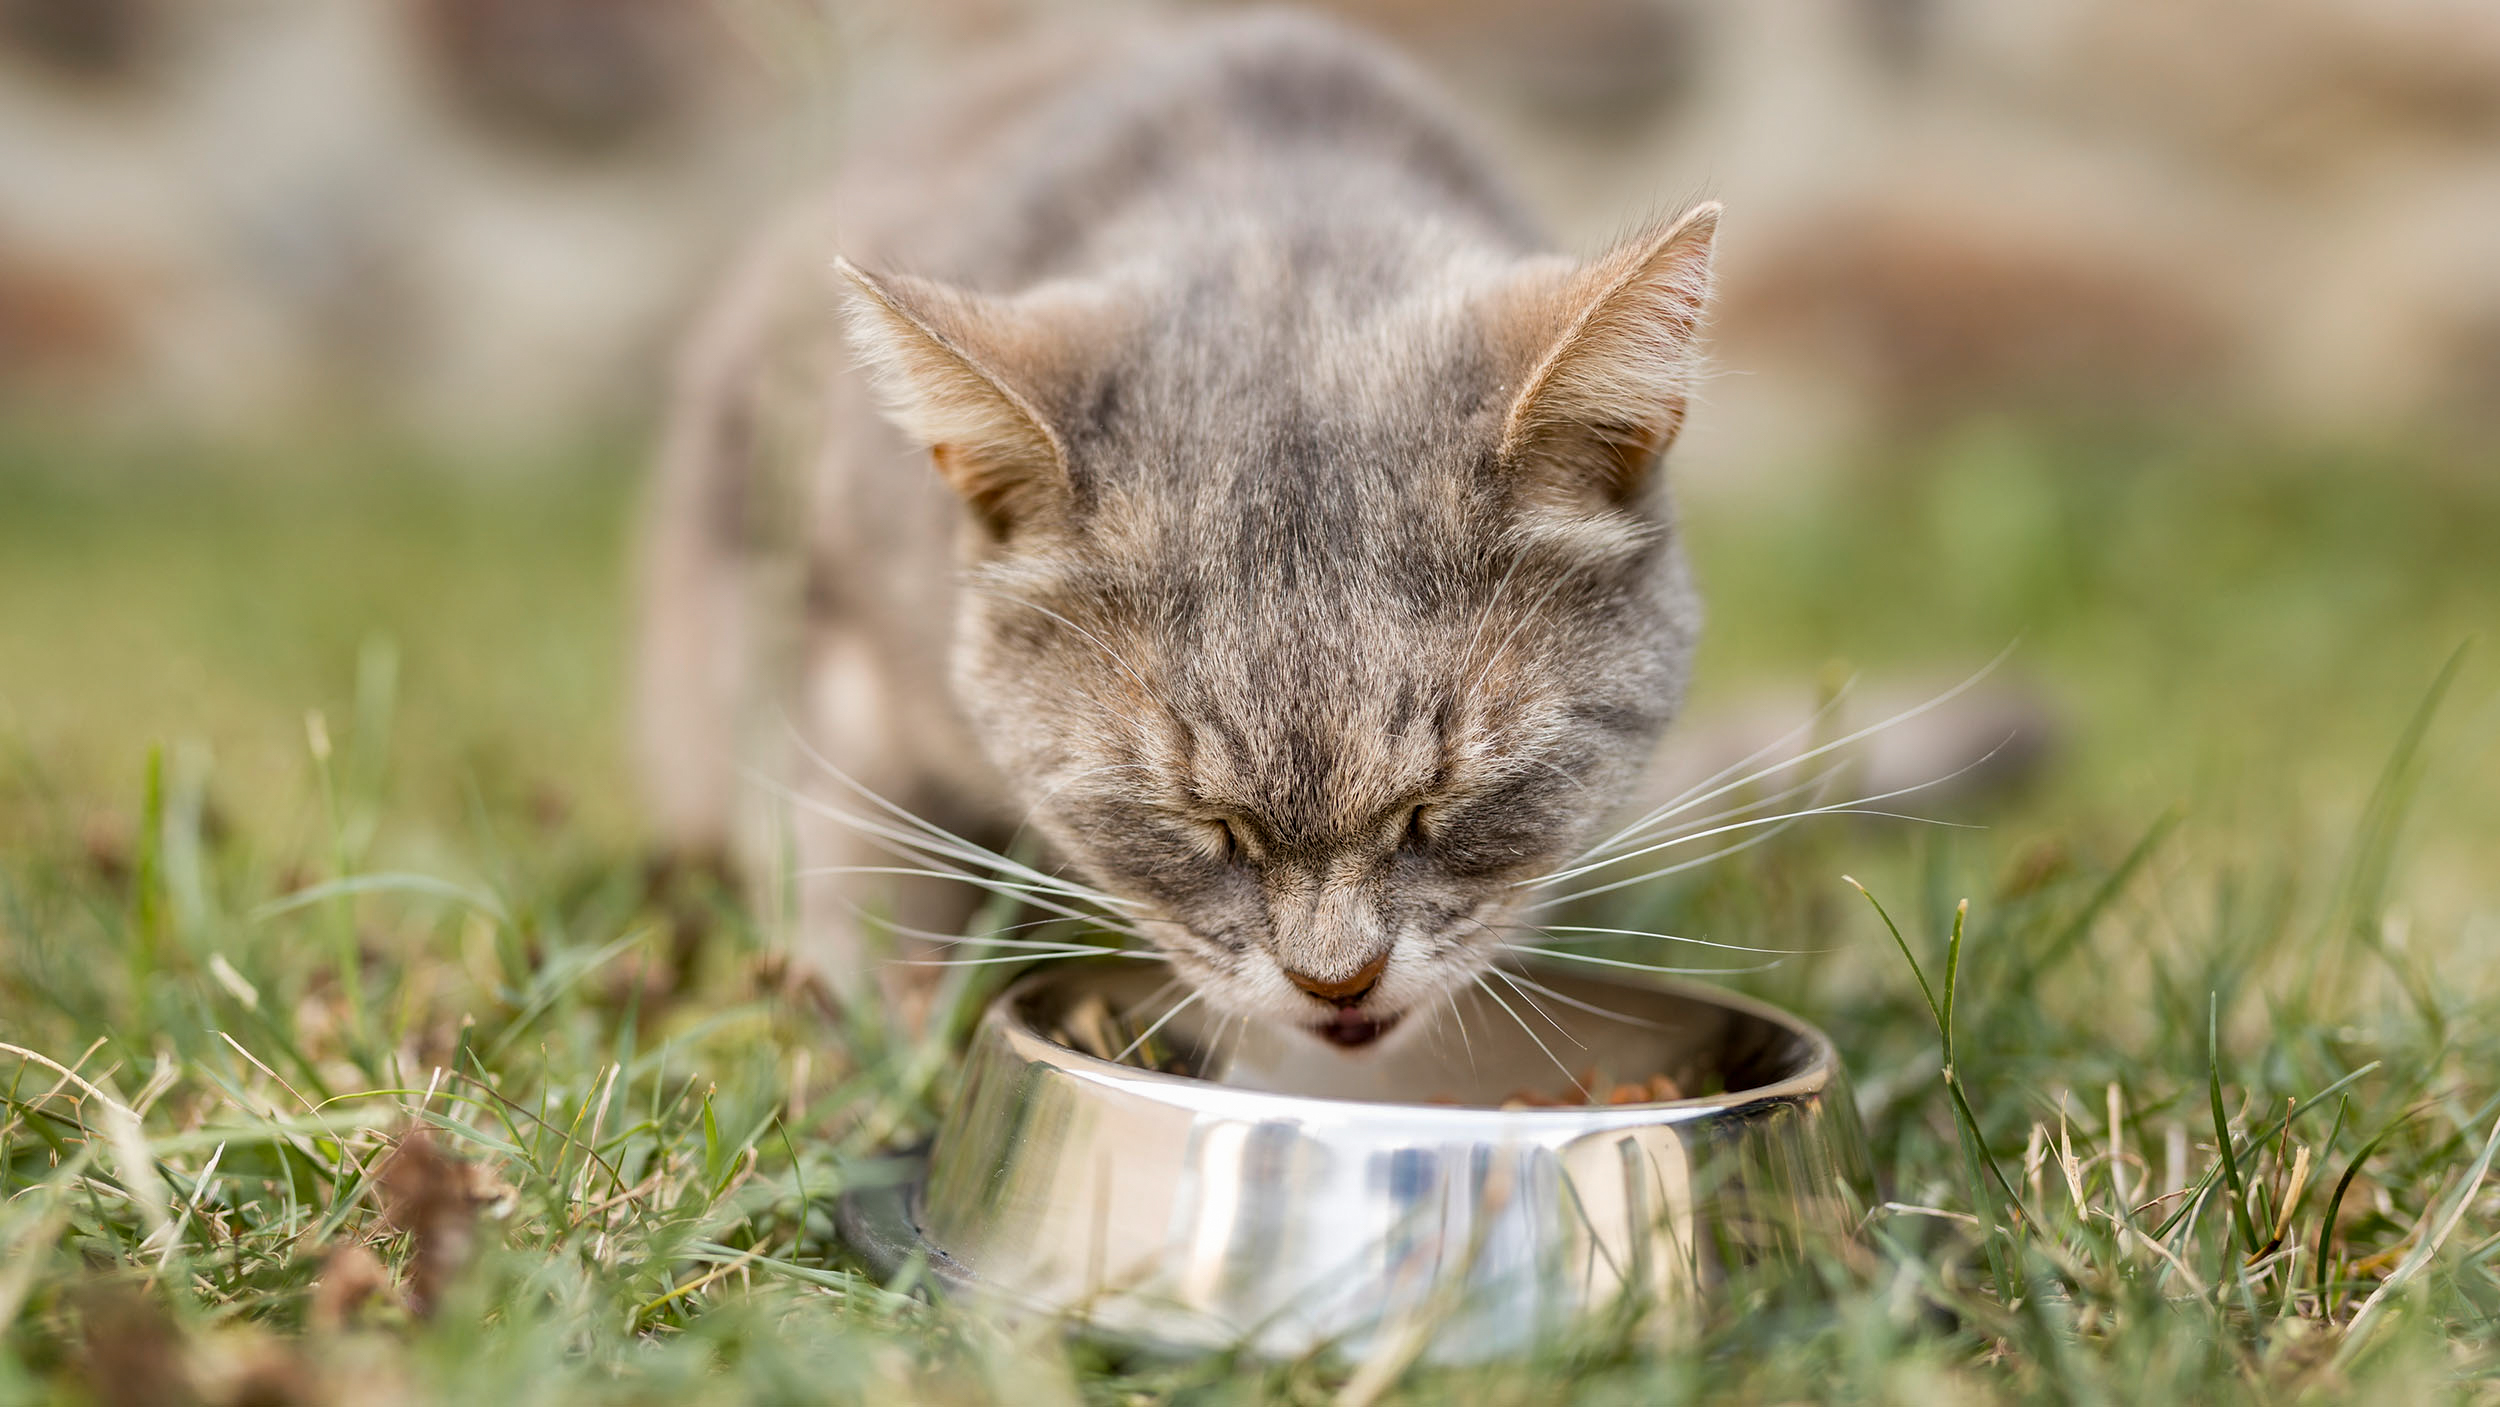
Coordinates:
[1344,992]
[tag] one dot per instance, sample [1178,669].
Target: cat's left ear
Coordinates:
[972,378]
[1612,362]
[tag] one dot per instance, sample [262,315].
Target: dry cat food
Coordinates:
[1657,1089]
[1588,1087]
[1094,1028]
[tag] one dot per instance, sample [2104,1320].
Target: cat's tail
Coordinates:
[721,537]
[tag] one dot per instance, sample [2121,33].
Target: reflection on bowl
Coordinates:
[1301,1197]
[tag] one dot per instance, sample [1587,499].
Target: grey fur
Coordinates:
[1307,490]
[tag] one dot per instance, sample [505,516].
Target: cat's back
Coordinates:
[1098,147]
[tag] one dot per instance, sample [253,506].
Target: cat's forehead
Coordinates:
[1322,724]
[1254,371]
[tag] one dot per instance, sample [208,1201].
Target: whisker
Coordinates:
[1533,1005]
[1438,1037]
[1819,782]
[1644,933]
[1031,946]
[1675,804]
[951,857]
[1851,807]
[1031,894]
[1859,807]
[1863,733]
[1158,994]
[1215,1043]
[1465,1041]
[1782,822]
[866,915]
[954,846]
[1590,1007]
[1763,837]
[903,813]
[1569,956]
[1027,957]
[1487,989]
[1143,1036]
[904,845]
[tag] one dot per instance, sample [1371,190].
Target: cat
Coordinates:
[1185,450]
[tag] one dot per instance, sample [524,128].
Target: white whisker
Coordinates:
[1571,1001]
[1819,782]
[1466,1042]
[948,863]
[1869,731]
[1215,1043]
[1031,894]
[1487,989]
[989,939]
[1675,804]
[1645,933]
[951,845]
[953,858]
[1148,1034]
[1031,946]
[1533,1005]
[1569,956]
[1763,837]
[1028,957]
[1859,807]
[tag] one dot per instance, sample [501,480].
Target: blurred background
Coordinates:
[2163,335]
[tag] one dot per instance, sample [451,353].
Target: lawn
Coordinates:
[314,829]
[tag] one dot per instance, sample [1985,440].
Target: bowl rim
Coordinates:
[1821,1072]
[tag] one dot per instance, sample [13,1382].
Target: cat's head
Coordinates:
[1314,606]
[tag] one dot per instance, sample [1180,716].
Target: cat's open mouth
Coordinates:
[1353,1028]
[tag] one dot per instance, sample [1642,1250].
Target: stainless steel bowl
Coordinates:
[1301,1197]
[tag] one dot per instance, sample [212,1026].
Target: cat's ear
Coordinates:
[966,376]
[1610,353]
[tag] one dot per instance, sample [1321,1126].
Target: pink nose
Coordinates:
[1347,992]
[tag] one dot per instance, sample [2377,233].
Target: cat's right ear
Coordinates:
[1604,392]
[960,373]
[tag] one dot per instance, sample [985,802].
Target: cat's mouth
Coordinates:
[1351,1029]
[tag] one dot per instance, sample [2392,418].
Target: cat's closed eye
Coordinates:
[1222,843]
[1416,837]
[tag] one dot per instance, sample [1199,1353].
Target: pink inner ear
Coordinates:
[947,365]
[1002,495]
[1607,395]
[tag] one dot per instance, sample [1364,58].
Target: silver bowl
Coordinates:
[1298,1197]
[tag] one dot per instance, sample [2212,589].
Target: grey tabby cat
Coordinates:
[1197,457]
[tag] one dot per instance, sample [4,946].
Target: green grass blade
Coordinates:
[2335,1200]
[1934,1009]
[2222,1130]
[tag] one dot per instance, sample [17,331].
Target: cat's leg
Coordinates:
[719,571]
[693,663]
[862,927]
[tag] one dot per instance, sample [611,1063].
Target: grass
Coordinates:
[2182,1074]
